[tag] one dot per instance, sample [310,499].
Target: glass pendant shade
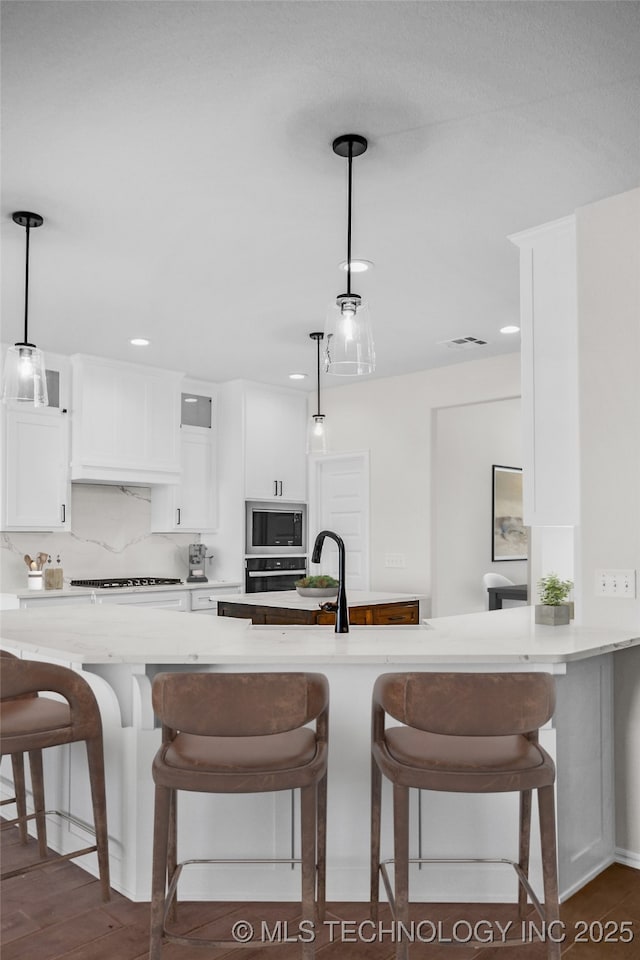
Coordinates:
[349,349]
[24,375]
[317,441]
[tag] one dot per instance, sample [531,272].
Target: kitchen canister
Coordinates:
[35,579]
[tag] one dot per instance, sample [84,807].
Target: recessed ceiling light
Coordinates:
[190,399]
[357,266]
[509,329]
[139,342]
[297,376]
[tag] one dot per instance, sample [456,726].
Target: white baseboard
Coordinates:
[628,857]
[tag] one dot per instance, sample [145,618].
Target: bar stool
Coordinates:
[19,787]
[463,733]
[239,733]
[29,724]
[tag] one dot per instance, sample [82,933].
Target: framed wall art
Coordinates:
[509,540]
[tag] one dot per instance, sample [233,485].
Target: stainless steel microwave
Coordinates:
[276,528]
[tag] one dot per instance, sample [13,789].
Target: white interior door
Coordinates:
[340,502]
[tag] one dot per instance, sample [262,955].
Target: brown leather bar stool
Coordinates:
[30,723]
[463,733]
[239,733]
[19,786]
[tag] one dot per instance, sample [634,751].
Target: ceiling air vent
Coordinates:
[463,343]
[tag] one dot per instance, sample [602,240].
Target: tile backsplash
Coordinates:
[110,537]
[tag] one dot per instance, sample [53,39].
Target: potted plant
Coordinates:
[552,609]
[321,585]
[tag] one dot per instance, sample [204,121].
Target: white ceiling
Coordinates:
[180,153]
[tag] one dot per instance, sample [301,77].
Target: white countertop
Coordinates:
[68,591]
[113,633]
[291,599]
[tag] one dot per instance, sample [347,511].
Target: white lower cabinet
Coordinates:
[35,473]
[205,600]
[195,600]
[166,600]
[48,598]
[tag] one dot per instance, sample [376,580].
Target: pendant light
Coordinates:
[317,428]
[24,374]
[349,343]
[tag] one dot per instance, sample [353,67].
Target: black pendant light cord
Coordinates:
[27,220]
[317,337]
[349,221]
[26,287]
[318,375]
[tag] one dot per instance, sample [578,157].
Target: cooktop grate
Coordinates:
[114,582]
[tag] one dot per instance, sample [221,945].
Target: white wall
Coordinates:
[392,418]
[608,236]
[468,440]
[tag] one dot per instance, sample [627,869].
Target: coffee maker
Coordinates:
[197,557]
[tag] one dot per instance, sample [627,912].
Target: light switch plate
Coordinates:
[395,560]
[616,583]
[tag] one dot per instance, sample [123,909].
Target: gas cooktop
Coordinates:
[125,582]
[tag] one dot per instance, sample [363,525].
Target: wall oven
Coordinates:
[276,528]
[266,574]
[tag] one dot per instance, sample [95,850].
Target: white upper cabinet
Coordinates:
[125,422]
[35,478]
[549,325]
[36,494]
[275,423]
[191,505]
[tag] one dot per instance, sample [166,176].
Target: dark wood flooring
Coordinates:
[56,912]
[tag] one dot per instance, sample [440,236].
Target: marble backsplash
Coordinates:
[110,537]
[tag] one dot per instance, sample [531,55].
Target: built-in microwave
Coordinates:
[276,528]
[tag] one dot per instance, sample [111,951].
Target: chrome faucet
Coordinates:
[340,608]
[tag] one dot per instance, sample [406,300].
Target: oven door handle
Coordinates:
[274,573]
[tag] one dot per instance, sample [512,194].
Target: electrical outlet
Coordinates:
[616,583]
[396,560]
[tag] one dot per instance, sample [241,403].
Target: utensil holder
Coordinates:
[35,579]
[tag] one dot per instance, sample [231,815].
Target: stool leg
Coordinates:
[401,854]
[308,827]
[37,787]
[546,810]
[172,853]
[525,836]
[19,788]
[376,803]
[322,848]
[159,870]
[95,760]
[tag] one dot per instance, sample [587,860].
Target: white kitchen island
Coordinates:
[120,649]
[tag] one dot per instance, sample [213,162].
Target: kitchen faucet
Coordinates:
[340,608]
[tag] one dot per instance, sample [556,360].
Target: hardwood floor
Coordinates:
[55,913]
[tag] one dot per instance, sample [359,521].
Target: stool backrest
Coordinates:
[467,704]
[20,679]
[239,704]
[5,655]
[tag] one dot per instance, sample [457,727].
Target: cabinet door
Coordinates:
[191,505]
[36,471]
[168,600]
[275,438]
[197,488]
